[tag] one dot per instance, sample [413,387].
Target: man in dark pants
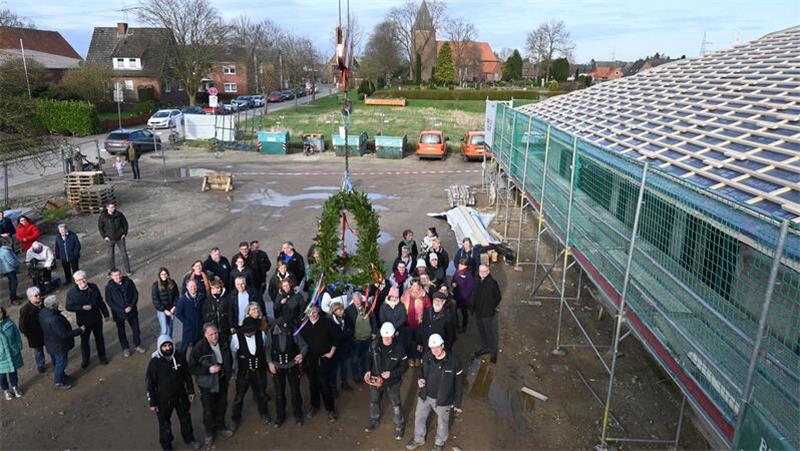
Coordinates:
[363,326]
[133,159]
[68,250]
[59,338]
[388,361]
[122,296]
[248,347]
[284,357]
[114,228]
[211,364]
[322,335]
[170,387]
[85,300]
[485,299]
[264,265]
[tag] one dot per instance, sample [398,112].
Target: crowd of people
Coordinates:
[242,324]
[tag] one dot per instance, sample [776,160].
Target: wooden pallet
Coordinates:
[94,198]
[217,181]
[75,182]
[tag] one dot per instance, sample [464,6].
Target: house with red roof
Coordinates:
[48,48]
[474,61]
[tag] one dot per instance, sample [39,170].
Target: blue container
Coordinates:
[357,144]
[390,146]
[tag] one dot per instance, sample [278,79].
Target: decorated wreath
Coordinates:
[334,263]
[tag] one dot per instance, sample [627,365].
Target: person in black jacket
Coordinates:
[438,319]
[59,338]
[340,363]
[165,297]
[289,302]
[284,357]
[211,364]
[7,229]
[30,327]
[388,361]
[262,263]
[322,335]
[170,387]
[114,228]
[440,379]
[469,253]
[363,327]
[122,296]
[85,300]
[240,269]
[238,300]
[274,285]
[219,267]
[486,297]
[68,250]
[438,249]
[249,347]
[294,263]
[409,243]
[217,310]
[252,263]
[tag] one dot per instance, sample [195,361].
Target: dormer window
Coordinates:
[127,63]
[229,70]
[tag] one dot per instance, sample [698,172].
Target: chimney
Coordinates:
[122,28]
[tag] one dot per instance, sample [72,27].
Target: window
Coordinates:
[230,87]
[118,63]
[167,86]
[229,70]
[180,86]
[126,63]
[129,85]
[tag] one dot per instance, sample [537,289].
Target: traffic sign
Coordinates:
[212,101]
[212,91]
[118,92]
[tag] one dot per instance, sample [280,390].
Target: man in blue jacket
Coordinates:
[68,250]
[8,267]
[122,297]
[59,338]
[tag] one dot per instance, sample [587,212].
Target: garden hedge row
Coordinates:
[457,94]
[67,116]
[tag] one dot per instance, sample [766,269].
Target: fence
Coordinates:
[699,289]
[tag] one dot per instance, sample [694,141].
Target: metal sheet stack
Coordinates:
[459,195]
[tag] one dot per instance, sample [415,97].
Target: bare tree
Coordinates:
[199,36]
[9,18]
[461,34]
[548,40]
[382,54]
[404,18]
[300,60]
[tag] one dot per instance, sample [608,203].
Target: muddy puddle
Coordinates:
[185,173]
[507,401]
[268,197]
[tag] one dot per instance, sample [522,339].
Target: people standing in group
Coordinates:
[189,310]
[59,338]
[420,267]
[211,363]
[9,265]
[340,363]
[294,263]
[240,269]
[113,228]
[240,298]
[217,309]
[281,273]
[218,266]
[170,388]
[400,277]
[30,327]
[263,265]
[133,158]
[415,300]
[486,297]
[68,250]
[256,273]
[362,324]
[463,282]
[26,233]
[284,357]
[440,379]
[165,299]
[388,361]
[289,302]
[469,253]
[122,297]
[85,300]
[322,336]
[438,319]
[410,245]
[10,356]
[405,257]
[248,347]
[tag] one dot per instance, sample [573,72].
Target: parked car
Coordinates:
[244,102]
[165,119]
[288,94]
[432,144]
[143,140]
[300,92]
[193,110]
[473,145]
[258,101]
[275,97]
[214,110]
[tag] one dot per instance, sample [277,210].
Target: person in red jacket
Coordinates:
[27,233]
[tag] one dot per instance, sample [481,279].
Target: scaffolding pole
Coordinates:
[540,219]
[508,174]
[522,191]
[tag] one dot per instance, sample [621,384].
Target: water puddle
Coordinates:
[321,188]
[313,207]
[183,173]
[268,197]
[508,402]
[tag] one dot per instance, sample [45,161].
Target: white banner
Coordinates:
[207,126]
[488,125]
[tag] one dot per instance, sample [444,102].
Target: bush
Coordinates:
[148,106]
[553,86]
[67,116]
[456,94]
[366,88]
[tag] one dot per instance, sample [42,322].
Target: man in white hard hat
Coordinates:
[389,362]
[441,387]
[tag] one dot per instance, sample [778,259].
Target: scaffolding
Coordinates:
[710,287]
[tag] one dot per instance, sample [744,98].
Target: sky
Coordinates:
[600,29]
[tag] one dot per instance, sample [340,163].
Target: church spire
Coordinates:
[423,22]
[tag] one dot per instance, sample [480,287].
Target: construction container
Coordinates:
[273,142]
[357,144]
[316,140]
[390,146]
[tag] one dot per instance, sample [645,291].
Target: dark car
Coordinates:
[300,92]
[193,110]
[117,142]
[244,102]
[275,97]
[288,94]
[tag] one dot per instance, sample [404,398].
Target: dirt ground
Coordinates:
[278,198]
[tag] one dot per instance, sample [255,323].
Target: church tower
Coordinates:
[424,41]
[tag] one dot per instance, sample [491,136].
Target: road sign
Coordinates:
[212,91]
[118,92]
[212,101]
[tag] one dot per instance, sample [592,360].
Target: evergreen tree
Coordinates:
[560,69]
[444,72]
[417,69]
[512,68]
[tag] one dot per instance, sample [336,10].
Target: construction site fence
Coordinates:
[698,276]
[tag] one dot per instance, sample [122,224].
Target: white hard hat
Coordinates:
[387,330]
[435,340]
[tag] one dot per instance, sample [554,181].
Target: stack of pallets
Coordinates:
[459,195]
[94,198]
[74,182]
[87,191]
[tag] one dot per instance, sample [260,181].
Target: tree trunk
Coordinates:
[190,91]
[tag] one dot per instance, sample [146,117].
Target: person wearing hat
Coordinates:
[248,347]
[322,336]
[170,387]
[211,364]
[441,254]
[441,387]
[421,267]
[438,319]
[435,269]
[285,353]
[389,362]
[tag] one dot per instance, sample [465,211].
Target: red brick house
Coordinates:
[48,48]
[605,73]
[478,61]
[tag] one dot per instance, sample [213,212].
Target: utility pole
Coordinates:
[25,67]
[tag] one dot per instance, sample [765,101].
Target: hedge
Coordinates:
[456,94]
[67,116]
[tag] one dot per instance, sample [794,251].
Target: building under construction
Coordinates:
[676,192]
